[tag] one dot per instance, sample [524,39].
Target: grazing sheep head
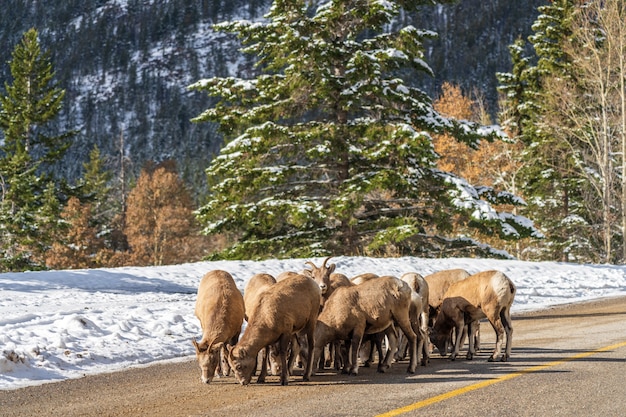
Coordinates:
[242,363]
[321,275]
[208,357]
[440,340]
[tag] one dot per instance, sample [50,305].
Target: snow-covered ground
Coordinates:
[65,324]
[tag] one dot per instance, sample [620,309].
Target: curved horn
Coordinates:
[325,260]
[311,263]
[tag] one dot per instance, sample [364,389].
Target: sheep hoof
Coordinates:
[491,359]
[410,370]
[469,357]
[367,364]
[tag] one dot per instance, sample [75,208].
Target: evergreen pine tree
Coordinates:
[80,244]
[549,179]
[329,151]
[26,153]
[95,188]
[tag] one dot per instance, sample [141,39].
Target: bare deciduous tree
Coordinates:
[588,109]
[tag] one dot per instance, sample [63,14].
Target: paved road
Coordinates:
[567,361]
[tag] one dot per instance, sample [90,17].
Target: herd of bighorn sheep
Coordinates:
[319,317]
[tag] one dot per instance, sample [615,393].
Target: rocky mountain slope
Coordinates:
[126,63]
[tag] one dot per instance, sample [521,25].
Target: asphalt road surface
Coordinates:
[566,361]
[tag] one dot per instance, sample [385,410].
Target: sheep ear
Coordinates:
[331,268]
[200,347]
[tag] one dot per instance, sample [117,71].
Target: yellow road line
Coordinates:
[483,384]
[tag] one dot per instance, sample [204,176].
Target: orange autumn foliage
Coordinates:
[160,223]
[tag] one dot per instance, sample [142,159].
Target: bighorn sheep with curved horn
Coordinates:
[371,307]
[320,275]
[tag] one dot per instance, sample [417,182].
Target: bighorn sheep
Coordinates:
[286,308]
[371,307]
[251,293]
[320,275]
[334,349]
[487,294]
[325,279]
[220,309]
[419,314]
[438,284]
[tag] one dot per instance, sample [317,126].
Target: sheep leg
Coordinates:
[293,354]
[449,346]
[422,346]
[273,360]
[283,346]
[367,347]
[376,345]
[405,326]
[403,346]
[310,346]
[318,353]
[471,350]
[340,354]
[353,361]
[505,316]
[460,324]
[218,368]
[496,323]
[476,335]
[385,364]
[321,358]
[422,343]
[224,358]
[264,353]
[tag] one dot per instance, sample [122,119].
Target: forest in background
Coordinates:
[566,165]
[125,66]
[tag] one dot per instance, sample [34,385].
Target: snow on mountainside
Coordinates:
[126,63]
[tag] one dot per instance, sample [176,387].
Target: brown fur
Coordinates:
[487,294]
[220,309]
[419,314]
[438,284]
[253,290]
[371,307]
[320,275]
[336,280]
[286,308]
[361,278]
